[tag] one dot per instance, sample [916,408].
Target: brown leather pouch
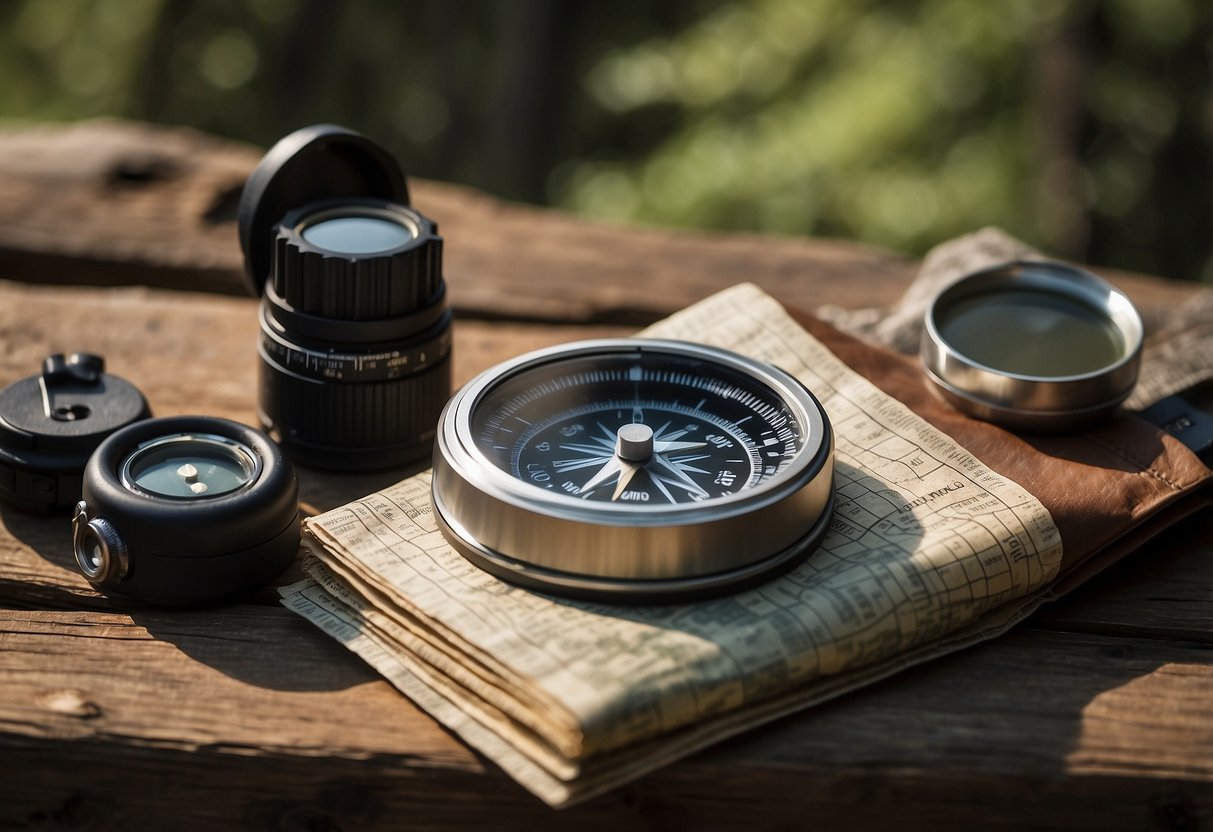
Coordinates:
[1109,488]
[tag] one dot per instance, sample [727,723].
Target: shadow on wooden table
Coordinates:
[253,640]
[29,543]
[320,491]
[932,723]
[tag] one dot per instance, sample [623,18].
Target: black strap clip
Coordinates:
[1187,422]
[67,383]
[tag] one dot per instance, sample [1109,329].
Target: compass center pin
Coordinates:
[634,443]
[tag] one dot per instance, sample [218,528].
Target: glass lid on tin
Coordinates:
[190,466]
[1032,345]
[632,469]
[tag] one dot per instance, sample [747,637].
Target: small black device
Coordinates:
[186,510]
[355,330]
[51,422]
[1188,416]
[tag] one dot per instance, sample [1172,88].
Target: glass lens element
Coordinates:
[190,467]
[1031,333]
[358,235]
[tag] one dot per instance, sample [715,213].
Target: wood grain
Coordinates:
[125,696]
[115,203]
[1108,693]
[1095,714]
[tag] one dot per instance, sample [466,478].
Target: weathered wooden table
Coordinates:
[1096,713]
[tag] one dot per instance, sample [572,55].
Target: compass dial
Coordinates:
[636,465]
[636,427]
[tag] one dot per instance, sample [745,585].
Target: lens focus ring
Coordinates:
[354,284]
[355,426]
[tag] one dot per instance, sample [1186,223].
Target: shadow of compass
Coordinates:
[893,573]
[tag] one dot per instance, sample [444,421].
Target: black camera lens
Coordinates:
[355,340]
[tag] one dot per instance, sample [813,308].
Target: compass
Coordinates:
[634,470]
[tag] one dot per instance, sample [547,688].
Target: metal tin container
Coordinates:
[1034,346]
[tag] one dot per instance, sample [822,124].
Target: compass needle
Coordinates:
[575,464]
[666,447]
[611,467]
[597,450]
[625,477]
[682,460]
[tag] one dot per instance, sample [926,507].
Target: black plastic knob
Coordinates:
[313,276]
[51,423]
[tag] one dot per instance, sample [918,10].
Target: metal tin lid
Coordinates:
[1037,346]
[321,162]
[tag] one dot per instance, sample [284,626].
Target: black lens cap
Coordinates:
[321,162]
[51,423]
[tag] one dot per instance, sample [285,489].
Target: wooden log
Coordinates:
[117,203]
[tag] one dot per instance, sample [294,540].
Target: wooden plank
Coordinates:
[1164,591]
[1124,724]
[188,353]
[1096,714]
[244,679]
[112,202]
[192,352]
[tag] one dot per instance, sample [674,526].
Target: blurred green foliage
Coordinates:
[1083,127]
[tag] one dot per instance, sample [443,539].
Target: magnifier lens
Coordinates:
[358,234]
[1032,333]
[1032,345]
[190,467]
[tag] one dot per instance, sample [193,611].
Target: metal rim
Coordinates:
[651,591]
[1021,400]
[248,460]
[568,546]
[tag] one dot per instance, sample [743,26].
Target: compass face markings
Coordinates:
[574,464]
[683,462]
[674,474]
[557,429]
[659,484]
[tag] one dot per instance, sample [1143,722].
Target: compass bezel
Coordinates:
[564,544]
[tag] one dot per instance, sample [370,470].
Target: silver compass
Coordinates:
[634,470]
